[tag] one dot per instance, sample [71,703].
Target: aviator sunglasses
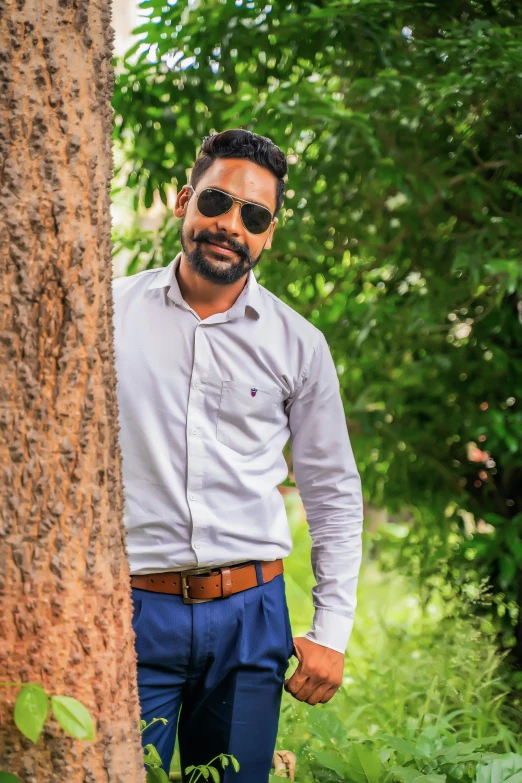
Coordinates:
[213,202]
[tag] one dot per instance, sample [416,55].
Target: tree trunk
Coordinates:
[65,612]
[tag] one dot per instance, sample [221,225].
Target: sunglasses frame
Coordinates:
[239,201]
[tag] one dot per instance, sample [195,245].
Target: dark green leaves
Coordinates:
[400,237]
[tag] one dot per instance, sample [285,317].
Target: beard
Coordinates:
[223,271]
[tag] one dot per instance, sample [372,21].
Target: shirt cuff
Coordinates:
[331,630]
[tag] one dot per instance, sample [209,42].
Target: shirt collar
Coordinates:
[250,296]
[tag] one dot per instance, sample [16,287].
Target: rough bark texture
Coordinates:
[65,614]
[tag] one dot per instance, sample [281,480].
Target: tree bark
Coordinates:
[65,611]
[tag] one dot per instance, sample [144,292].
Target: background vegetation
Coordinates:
[401,240]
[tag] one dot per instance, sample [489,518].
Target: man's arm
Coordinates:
[330,487]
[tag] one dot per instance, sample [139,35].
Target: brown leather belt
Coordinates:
[199,585]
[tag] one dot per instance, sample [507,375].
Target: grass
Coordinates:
[408,667]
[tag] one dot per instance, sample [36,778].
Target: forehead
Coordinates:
[242,178]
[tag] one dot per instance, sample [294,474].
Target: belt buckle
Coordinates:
[185,586]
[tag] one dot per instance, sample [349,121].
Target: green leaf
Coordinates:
[214,773]
[7,777]
[412,775]
[463,751]
[73,717]
[188,770]
[31,711]
[157,776]
[235,763]
[328,727]
[332,761]
[151,757]
[405,747]
[364,764]
[224,761]
[500,769]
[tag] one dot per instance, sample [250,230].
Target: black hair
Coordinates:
[239,143]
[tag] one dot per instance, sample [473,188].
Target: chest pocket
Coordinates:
[247,416]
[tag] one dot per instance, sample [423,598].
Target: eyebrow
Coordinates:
[215,187]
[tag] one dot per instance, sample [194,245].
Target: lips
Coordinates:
[220,249]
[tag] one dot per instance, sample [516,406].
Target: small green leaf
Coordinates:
[31,711]
[235,763]
[7,777]
[205,772]
[215,774]
[188,770]
[157,776]
[73,717]
[151,757]
[224,761]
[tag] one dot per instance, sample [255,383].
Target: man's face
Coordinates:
[241,178]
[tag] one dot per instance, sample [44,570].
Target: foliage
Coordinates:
[422,678]
[33,706]
[431,759]
[155,773]
[400,238]
[208,772]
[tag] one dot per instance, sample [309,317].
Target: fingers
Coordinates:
[296,683]
[310,689]
[318,695]
[328,695]
[318,674]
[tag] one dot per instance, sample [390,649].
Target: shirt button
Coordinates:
[194,432]
[192,497]
[197,545]
[196,383]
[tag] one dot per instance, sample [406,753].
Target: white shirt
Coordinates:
[205,409]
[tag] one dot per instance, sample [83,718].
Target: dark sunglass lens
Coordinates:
[256,219]
[212,202]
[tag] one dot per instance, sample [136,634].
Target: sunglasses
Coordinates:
[213,202]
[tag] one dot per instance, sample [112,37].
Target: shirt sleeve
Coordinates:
[330,488]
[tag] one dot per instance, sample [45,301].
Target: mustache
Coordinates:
[221,241]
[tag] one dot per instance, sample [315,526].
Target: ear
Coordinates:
[182,200]
[268,243]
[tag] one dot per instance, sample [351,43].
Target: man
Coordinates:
[215,374]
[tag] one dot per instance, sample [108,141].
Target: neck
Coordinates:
[204,294]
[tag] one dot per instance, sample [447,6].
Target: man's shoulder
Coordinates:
[134,284]
[292,320]
[139,277]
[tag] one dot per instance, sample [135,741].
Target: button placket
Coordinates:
[195,444]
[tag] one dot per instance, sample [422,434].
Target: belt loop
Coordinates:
[259,572]
[226,582]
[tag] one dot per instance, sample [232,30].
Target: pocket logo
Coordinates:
[253,392]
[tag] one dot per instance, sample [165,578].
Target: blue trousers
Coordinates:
[219,667]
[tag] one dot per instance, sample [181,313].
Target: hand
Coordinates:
[319,674]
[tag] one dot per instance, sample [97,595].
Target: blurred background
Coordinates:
[400,239]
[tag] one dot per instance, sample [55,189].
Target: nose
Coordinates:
[231,222]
